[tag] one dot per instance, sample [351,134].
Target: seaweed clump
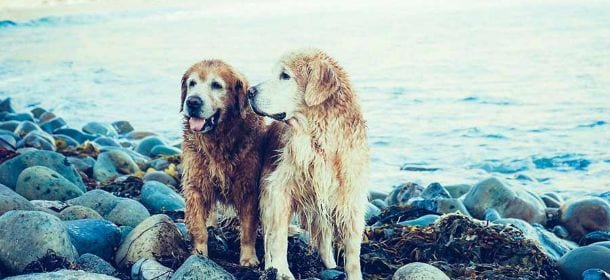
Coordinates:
[49,262]
[461,247]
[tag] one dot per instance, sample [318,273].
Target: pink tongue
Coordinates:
[196,124]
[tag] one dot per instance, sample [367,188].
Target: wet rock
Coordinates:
[198,267]
[27,236]
[162,150]
[18,117]
[46,116]
[381,204]
[451,205]
[584,215]
[371,211]
[422,221]
[53,205]
[57,162]
[42,183]
[138,135]
[332,274]
[549,201]
[8,140]
[39,140]
[83,164]
[94,264]
[159,198]
[128,212]
[63,142]
[147,144]
[509,202]
[98,237]
[78,212]
[377,195]
[595,274]
[64,275]
[156,238]
[419,271]
[112,164]
[594,237]
[100,201]
[492,215]
[10,200]
[125,230]
[162,177]
[6,106]
[574,263]
[9,125]
[561,232]
[122,127]
[96,128]
[37,112]
[75,134]
[26,127]
[106,141]
[158,164]
[51,125]
[435,191]
[140,160]
[148,269]
[401,194]
[184,231]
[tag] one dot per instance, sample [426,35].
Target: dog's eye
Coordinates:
[216,85]
[192,83]
[284,76]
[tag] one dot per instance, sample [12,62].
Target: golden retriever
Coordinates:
[223,152]
[322,169]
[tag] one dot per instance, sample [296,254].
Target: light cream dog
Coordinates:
[322,169]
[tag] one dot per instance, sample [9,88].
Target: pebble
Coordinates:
[595,274]
[46,116]
[97,128]
[594,237]
[574,263]
[147,144]
[37,112]
[159,198]
[98,237]
[9,125]
[94,264]
[199,267]
[52,125]
[57,162]
[63,274]
[7,141]
[148,269]
[401,194]
[380,203]
[138,135]
[157,237]
[106,142]
[122,127]
[550,201]
[18,117]
[373,194]
[128,212]
[510,202]
[99,200]
[332,274]
[584,215]
[10,200]
[62,142]
[158,164]
[422,221]
[435,191]
[75,134]
[78,212]
[39,140]
[42,183]
[162,177]
[419,271]
[83,164]
[112,164]
[6,106]
[29,235]
[162,150]
[26,127]
[371,211]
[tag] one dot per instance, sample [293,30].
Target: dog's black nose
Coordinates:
[252,92]
[194,102]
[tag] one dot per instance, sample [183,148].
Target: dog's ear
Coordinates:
[321,83]
[240,89]
[183,93]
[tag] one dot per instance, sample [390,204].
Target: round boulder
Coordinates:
[574,263]
[159,198]
[419,271]
[10,200]
[147,144]
[42,183]
[112,164]
[199,267]
[63,274]
[584,215]
[78,212]
[99,237]
[127,212]
[401,194]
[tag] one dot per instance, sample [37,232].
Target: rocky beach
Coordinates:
[104,202]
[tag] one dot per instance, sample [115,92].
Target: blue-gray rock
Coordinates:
[456,191]
[435,191]
[97,128]
[9,125]
[46,116]
[561,232]
[332,274]
[39,140]
[162,150]
[584,215]
[492,215]
[184,231]
[63,142]
[157,238]
[419,271]
[159,198]
[8,141]
[78,212]
[573,264]
[26,127]
[122,127]
[63,274]
[10,169]
[29,235]
[550,244]
[112,164]
[99,200]
[148,269]
[125,230]
[451,205]
[157,164]
[401,194]
[138,135]
[147,144]
[595,274]
[128,212]
[106,141]
[375,194]
[381,204]
[75,134]
[139,159]
[37,112]
[6,106]
[550,201]
[53,205]
[594,237]
[83,164]
[162,177]
[10,200]
[199,268]
[94,264]
[54,124]
[18,117]
[371,211]
[422,221]
[510,202]
[98,237]
[39,182]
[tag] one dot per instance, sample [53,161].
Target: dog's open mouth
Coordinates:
[204,125]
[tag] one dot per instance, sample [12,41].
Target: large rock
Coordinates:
[147,269]
[99,237]
[10,200]
[159,198]
[156,238]
[162,177]
[584,215]
[147,144]
[10,169]
[53,124]
[94,264]
[112,164]
[122,127]
[128,212]
[78,212]
[97,128]
[63,275]
[577,261]
[419,271]
[510,202]
[99,200]
[199,268]
[401,194]
[39,140]
[39,182]
[26,127]
[27,236]
[75,134]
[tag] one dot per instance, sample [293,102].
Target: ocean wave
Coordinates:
[564,162]
[561,162]
[594,124]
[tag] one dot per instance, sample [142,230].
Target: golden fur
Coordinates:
[321,172]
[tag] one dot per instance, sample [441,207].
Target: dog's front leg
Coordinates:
[248,219]
[197,210]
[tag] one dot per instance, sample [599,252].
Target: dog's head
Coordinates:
[212,91]
[299,81]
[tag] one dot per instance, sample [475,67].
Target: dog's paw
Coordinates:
[201,250]
[284,274]
[249,261]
